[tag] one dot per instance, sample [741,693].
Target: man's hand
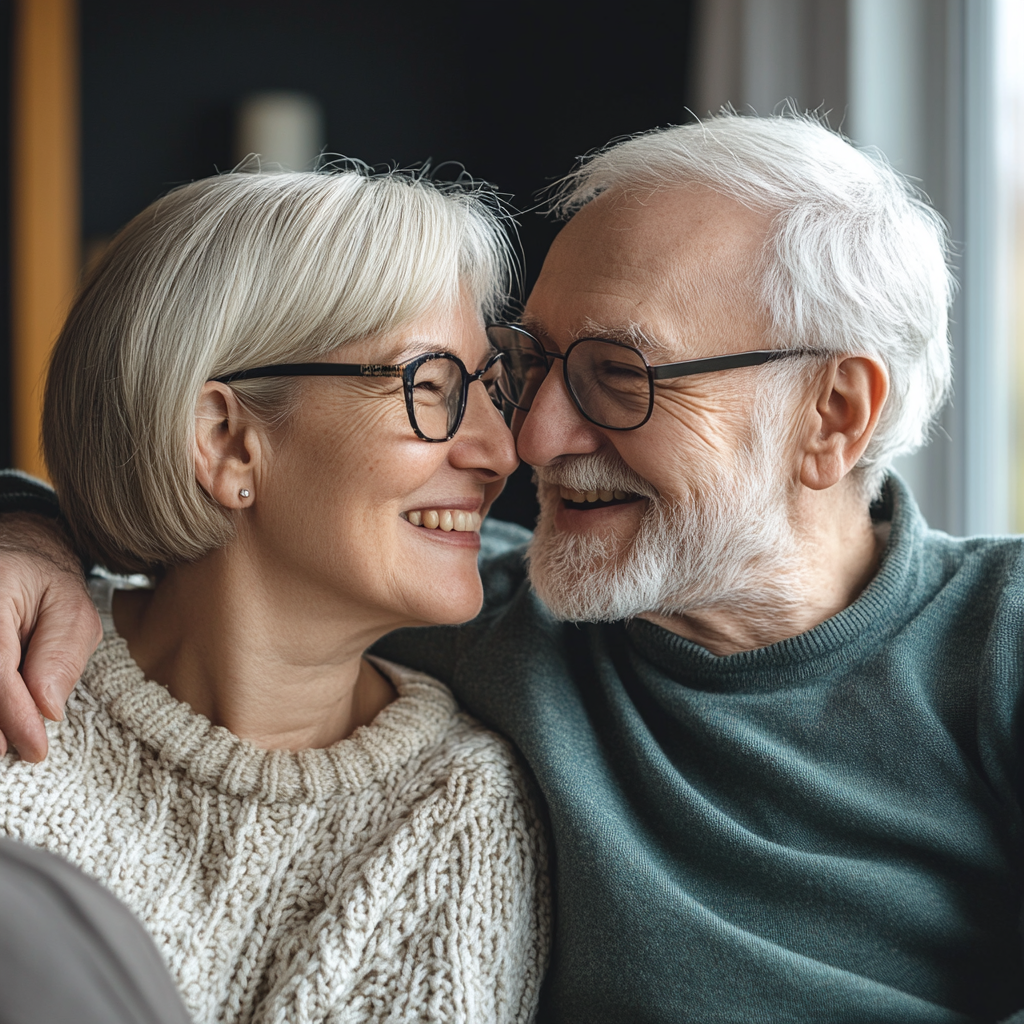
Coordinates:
[43,604]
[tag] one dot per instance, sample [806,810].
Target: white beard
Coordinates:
[730,544]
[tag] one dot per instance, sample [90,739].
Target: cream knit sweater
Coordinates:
[396,876]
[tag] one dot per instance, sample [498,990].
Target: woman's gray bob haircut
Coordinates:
[236,271]
[855,262]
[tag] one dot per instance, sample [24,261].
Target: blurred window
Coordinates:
[1010,127]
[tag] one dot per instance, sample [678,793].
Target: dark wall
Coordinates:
[512,91]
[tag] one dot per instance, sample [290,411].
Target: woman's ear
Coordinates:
[848,401]
[228,447]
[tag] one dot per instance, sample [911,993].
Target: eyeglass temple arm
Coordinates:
[689,367]
[313,370]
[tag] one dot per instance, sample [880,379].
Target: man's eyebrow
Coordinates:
[630,332]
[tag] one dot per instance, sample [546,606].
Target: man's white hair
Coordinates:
[855,262]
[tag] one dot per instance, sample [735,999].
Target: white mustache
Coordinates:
[594,473]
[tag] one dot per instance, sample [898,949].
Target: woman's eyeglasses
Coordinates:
[436,386]
[610,382]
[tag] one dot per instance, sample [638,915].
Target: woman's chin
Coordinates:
[445,580]
[450,604]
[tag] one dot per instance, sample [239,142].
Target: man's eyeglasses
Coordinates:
[436,386]
[610,382]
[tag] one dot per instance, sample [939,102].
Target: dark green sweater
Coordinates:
[825,830]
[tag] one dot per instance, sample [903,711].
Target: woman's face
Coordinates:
[336,497]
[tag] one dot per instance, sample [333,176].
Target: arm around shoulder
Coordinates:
[48,625]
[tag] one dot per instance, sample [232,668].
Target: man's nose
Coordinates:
[553,426]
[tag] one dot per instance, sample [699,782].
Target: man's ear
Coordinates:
[228,447]
[848,400]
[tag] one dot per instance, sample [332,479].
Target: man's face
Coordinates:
[677,274]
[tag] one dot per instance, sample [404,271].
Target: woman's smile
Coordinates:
[445,519]
[349,465]
[452,522]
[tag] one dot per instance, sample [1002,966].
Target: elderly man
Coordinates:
[775,719]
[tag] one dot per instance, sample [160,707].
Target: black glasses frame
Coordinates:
[657,371]
[407,371]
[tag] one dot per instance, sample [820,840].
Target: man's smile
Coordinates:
[595,498]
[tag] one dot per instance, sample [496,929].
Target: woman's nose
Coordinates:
[484,440]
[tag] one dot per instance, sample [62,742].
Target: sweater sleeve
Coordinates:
[20,492]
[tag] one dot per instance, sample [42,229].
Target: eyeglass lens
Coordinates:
[609,382]
[437,397]
[526,366]
[438,389]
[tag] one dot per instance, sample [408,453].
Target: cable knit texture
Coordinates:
[395,876]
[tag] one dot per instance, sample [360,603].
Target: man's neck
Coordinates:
[282,672]
[837,550]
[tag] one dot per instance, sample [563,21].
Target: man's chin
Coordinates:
[584,576]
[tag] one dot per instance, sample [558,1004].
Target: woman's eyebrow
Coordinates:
[410,350]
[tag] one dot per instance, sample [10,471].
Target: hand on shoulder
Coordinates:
[48,628]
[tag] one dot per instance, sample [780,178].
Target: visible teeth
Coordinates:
[446,519]
[594,494]
[468,522]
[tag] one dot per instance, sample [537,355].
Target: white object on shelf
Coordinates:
[284,129]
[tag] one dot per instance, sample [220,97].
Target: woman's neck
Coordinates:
[283,670]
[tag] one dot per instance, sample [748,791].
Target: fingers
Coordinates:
[66,632]
[22,726]
[48,628]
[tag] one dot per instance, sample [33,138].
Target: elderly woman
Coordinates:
[274,395]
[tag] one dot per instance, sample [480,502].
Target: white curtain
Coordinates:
[916,79]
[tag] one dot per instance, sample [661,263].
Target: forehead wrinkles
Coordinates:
[680,268]
[708,283]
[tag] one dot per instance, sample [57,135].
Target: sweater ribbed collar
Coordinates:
[216,758]
[890,600]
